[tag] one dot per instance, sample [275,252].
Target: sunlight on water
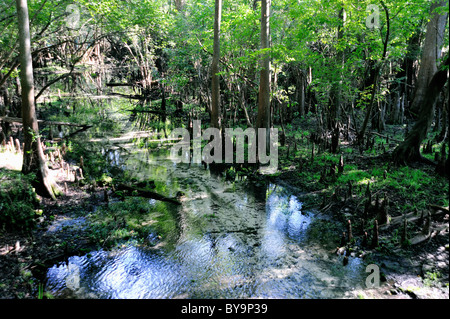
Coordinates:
[250,246]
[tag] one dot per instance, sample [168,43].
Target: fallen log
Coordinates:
[82,129]
[148,111]
[114,84]
[148,194]
[19,120]
[424,237]
[378,134]
[437,207]
[132,97]
[411,217]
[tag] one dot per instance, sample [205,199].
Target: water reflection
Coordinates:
[234,240]
[240,253]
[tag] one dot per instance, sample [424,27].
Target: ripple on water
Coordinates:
[250,248]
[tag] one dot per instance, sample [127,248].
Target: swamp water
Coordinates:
[232,240]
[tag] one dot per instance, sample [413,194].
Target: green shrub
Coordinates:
[18,202]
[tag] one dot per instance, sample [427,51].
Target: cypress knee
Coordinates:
[349,231]
[345,260]
[365,240]
[343,238]
[17,146]
[426,226]
[382,215]
[332,170]
[106,197]
[366,211]
[404,232]
[368,194]
[375,234]
[341,165]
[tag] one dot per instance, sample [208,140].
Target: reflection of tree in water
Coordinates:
[231,239]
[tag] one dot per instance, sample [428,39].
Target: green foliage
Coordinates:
[18,202]
[432,278]
[354,175]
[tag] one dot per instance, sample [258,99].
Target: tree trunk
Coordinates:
[179,5]
[378,69]
[33,155]
[430,55]
[263,118]
[301,93]
[409,150]
[215,86]
[402,86]
[396,109]
[443,134]
[336,90]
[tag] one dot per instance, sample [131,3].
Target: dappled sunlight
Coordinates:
[222,149]
[11,160]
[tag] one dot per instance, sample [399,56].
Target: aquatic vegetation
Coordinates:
[135,218]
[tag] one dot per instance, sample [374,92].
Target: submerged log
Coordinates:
[148,194]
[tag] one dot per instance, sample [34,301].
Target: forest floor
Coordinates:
[25,256]
[418,267]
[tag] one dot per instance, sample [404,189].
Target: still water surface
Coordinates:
[233,240]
